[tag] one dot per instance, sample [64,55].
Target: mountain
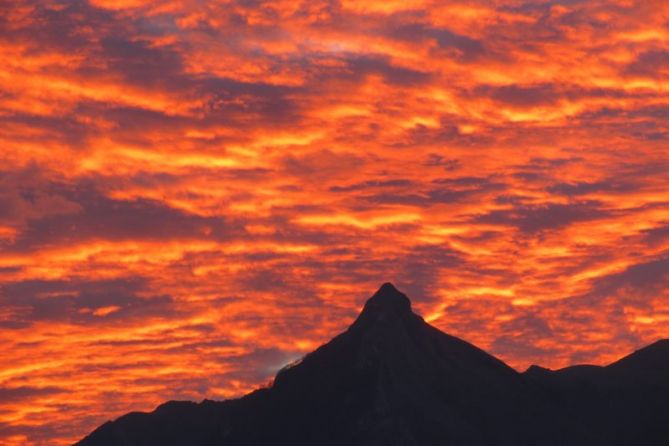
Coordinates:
[393,379]
[626,402]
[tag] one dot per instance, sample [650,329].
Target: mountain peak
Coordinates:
[388,298]
[387,304]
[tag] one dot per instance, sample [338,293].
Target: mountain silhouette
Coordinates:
[393,379]
[626,402]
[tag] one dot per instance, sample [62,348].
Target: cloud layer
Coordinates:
[193,194]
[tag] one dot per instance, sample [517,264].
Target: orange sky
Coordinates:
[193,194]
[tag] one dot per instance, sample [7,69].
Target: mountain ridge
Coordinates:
[393,379]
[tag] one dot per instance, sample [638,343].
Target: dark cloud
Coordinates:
[45,431]
[140,61]
[636,284]
[16,394]
[99,217]
[534,218]
[444,190]
[449,164]
[374,184]
[528,326]
[246,101]
[62,25]
[66,129]
[656,236]
[76,301]
[522,96]
[25,196]
[547,163]
[360,66]
[462,47]
[504,345]
[584,188]
[652,63]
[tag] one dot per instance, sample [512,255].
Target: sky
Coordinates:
[193,194]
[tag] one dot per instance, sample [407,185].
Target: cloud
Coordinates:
[81,302]
[14,394]
[639,282]
[522,96]
[83,214]
[649,64]
[464,48]
[656,235]
[584,188]
[364,66]
[535,218]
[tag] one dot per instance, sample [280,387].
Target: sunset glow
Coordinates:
[194,194]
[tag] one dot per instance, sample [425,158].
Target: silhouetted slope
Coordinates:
[627,402]
[411,383]
[652,362]
[390,379]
